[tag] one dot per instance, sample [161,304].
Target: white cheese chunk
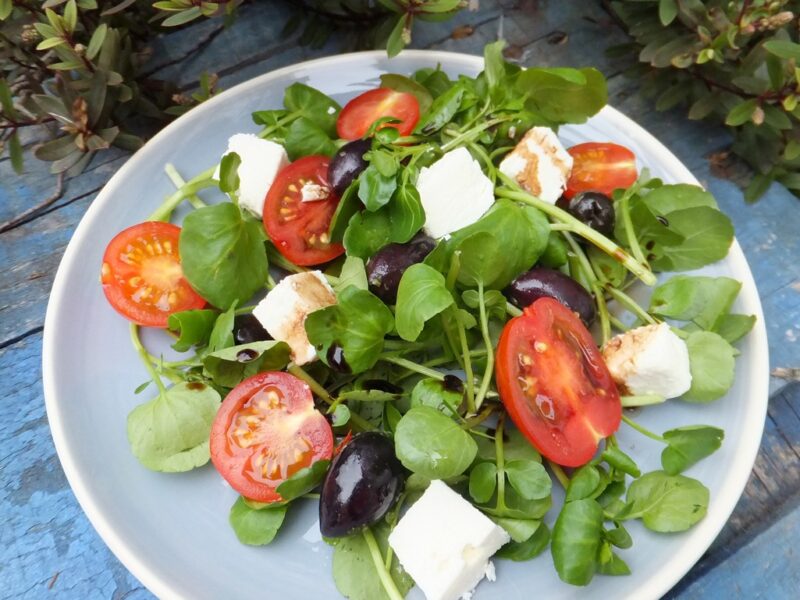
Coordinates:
[284,309]
[649,360]
[445,543]
[261,162]
[454,193]
[311,192]
[539,164]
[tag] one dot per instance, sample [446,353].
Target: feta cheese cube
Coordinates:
[454,193]
[539,164]
[445,543]
[261,162]
[284,309]
[649,360]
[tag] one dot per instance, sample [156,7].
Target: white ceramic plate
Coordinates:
[172,531]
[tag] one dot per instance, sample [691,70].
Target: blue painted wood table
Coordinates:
[47,546]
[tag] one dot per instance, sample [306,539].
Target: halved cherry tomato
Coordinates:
[554,383]
[299,229]
[266,430]
[361,112]
[142,276]
[600,167]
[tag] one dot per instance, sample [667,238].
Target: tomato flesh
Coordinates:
[361,112]
[142,276]
[600,167]
[266,430]
[299,229]
[554,383]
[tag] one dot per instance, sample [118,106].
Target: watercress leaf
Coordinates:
[222,254]
[517,447]
[493,299]
[608,563]
[369,396]
[383,161]
[688,445]
[303,481]
[668,198]
[358,322]
[482,481]
[529,479]
[401,83]
[620,461]
[666,503]
[530,548]
[707,236]
[391,417]
[222,332]
[340,416]
[563,95]
[305,138]
[354,571]
[520,530]
[703,300]
[609,498]
[711,361]
[435,80]
[555,253]
[230,366]
[312,105]
[349,205]
[406,214]
[521,231]
[494,66]
[374,189]
[421,295]
[576,540]
[442,110]
[170,433]
[583,483]
[367,232]
[619,536]
[481,259]
[734,327]
[431,444]
[193,328]
[256,527]
[432,392]
[352,273]
[229,172]
[268,118]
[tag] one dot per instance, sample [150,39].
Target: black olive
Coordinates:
[347,164]
[453,384]
[336,360]
[361,486]
[541,282]
[591,208]
[246,355]
[388,264]
[381,385]
[248,329]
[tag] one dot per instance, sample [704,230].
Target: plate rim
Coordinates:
[666,577]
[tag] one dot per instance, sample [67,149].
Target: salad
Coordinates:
[416,310]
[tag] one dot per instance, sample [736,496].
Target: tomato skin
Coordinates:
[361,112]
[554,383]
[268,421]
[299,229]
[600,167]
[142,277]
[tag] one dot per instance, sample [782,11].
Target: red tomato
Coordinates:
[361,112]
[142,276]
[554,383]
[299,229]
[600,167]
[266,430]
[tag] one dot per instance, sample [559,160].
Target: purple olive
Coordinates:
[247,329]
[361,486]
[591,208]
[388,264]
[347,164]
[541,282]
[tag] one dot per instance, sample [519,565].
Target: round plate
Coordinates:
[172,531]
